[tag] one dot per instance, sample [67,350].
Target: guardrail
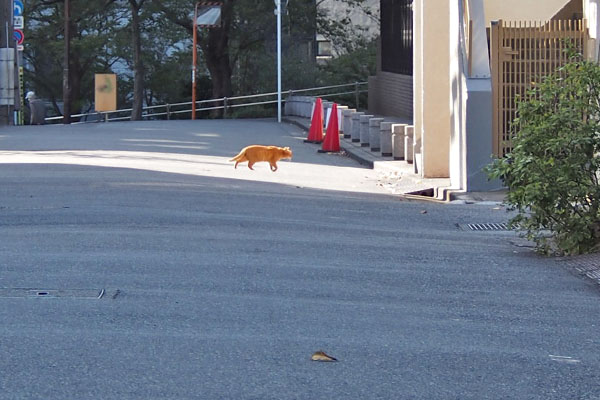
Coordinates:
[225,103]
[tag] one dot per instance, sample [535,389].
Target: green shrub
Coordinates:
[552,170]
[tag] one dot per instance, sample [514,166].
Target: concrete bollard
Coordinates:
[287,106]
[355,135]
[326,112]
[374,130]
[418,159]
[385,138]
[398,141]
[364,129]
[340,116]
[347,116]
[408,144]
[304,107]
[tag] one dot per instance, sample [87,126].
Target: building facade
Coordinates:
[448,89]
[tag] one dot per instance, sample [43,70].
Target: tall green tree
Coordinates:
[244,42]
[138,64]
[92,25]
[147,43]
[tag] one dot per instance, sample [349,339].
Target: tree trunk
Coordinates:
[138,65]
[216,52]
[215,49]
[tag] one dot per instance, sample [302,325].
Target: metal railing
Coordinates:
[227,104]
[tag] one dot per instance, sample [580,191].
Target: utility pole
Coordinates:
[66,81]
[7,44]
[278,11]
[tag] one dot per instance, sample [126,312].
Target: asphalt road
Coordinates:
[218,283]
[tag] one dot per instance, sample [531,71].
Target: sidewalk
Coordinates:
[399,176]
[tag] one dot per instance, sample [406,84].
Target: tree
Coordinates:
[138,64]
[147,43]
[215,47]
[91,26]
[335,22]
[552,171]
[242,42]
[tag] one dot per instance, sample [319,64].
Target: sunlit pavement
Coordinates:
[137,263]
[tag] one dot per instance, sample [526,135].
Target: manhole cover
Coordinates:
[51,293]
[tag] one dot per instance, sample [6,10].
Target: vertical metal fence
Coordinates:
[522,53]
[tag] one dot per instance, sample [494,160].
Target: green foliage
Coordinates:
[92,27]
[102,43]
[552,170]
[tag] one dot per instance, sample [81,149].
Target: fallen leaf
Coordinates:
[322,356]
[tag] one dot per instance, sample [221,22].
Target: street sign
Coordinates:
[209,15]
[18,8]
[18,22]
[105,98]
[19,36]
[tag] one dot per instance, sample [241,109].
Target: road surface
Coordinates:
[136,263]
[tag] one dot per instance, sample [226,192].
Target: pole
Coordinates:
[278,60]
[66,82]
[194,63]
[7,105]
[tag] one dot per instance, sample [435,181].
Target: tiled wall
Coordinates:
[391,95]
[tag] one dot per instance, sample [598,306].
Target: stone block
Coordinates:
[364,129]
[408,144]
[374,132]
[385,138]
[355,135]
[347,117]
[398,141]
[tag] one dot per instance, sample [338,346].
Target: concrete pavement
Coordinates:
[220,283]
[399,176]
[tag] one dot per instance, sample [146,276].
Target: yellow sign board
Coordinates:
[106,92]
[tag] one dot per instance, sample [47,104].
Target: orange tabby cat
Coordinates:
[256,153]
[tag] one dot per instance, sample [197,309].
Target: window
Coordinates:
[397,36]
[324,48]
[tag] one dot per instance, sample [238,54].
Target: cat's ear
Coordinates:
[287,148]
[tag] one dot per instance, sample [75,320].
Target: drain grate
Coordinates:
[488,227]
[51,293]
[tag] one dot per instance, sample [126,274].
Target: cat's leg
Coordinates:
[273,166]
[250,164]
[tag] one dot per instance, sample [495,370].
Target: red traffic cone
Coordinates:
[332,136]
[315,134]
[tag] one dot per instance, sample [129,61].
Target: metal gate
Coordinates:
[521,54]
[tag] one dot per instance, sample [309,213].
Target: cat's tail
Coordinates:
[238,157]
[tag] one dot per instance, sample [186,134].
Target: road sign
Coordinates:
[105,98]
[208,15]
[19,36]
[18,8]
[18,22]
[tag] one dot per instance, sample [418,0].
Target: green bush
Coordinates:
[552,170]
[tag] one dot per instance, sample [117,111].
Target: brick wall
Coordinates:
[391,95]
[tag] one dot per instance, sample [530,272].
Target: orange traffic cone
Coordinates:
[331,144]
[315,134]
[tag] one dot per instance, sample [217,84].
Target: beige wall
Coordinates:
[432,86]
[529,10]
